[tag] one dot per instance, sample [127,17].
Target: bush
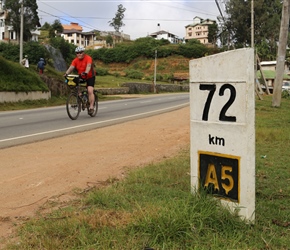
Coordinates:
[116,74]
[192,51]
[34,50]
[67,49]
[166,51]
[146,47]
[102,72]
[134,74]
[98,54]
[159,77]
[10,51]
[167,77]
[91,52]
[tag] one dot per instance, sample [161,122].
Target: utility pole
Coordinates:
[280,62]
[252,24]
[155,64]
[21,33]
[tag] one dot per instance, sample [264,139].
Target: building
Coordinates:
[162,34]
[269,71]
[271,65]
[7,34]
[73,33]
[6,31]
[198,30]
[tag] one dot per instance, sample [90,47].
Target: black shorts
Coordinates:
[91,81]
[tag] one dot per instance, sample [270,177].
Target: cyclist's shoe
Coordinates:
[91,111]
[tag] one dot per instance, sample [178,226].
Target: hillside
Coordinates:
[173,65]
[166,69]
[14,77]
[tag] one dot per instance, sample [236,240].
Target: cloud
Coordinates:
[141,16]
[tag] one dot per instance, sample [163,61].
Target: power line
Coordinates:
[81,18]
[140,19]
[220,10]
[62,12]
[128,1]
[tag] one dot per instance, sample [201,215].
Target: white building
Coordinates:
[7,34]
[162,34]
[6,31]
[73,33]
[198,29]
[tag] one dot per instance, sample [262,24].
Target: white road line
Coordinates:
[90,124]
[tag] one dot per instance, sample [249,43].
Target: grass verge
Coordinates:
[152,208]
[53,101]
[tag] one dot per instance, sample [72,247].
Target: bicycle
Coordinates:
[78,100]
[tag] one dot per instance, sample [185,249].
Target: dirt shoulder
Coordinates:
[33,174]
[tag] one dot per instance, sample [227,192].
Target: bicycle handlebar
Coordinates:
[75,80]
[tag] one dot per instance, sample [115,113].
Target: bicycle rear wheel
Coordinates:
[96,104]
[73,106]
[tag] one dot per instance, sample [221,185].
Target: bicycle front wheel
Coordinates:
[73,106]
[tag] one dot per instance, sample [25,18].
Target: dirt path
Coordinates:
[33,174]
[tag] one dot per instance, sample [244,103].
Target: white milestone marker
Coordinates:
[222,127]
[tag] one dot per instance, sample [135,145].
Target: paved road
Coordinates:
[19,127]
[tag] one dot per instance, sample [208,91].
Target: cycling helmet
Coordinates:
[80,49]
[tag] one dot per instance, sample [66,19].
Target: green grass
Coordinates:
[53,101]
[110,81]
[270,74]
[107,81]
[28,80]
[30,104]
[14,77]
[153,206]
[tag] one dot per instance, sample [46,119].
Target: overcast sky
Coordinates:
[141,16]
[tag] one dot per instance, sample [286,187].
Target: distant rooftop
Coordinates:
[72,26]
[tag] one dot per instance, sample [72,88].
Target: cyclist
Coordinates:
[83,63]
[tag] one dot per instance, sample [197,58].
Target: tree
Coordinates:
[55,28]
[117,21]
[276,101]
[45,26]
[212,33]
[30,16]
[266,21]
[109,40]
[67,49]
